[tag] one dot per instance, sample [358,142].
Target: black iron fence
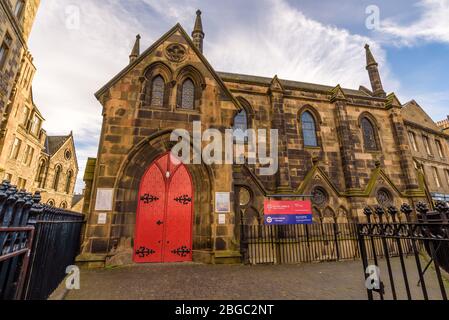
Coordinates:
[421,277]
[37,243]
[319,242]
[298,243]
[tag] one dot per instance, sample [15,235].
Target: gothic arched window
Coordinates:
[40,178]
[309,130]
[188,95]
[68,182]
[58,170]
[157,92]
[369,135]
[240,123]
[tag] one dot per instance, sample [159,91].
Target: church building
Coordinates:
[346,148]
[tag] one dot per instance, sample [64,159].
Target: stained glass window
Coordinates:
[319,196]
[188,95]
[384,198]
[369,135]
[309,130]
[240,123]
[157,92]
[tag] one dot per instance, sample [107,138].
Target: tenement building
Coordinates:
[348,148]
[444,125]
[16,20]
[29,158]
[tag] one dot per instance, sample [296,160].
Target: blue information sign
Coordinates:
[285,219]
[288,212]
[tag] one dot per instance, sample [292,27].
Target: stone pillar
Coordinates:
[402,143]
[276,92]
[347,141]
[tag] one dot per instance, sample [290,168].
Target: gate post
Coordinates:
[363,254]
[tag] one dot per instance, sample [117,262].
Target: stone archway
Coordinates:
[126,194]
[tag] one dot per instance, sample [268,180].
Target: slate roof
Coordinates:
[226,76]
[54,143]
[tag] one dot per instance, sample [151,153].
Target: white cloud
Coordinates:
[433,25]
[73,63]
[173,10]
[285,42]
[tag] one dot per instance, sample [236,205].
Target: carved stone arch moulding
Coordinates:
[342,212]
[199,82]
[313,110]
[369,116]
[329,213]
[317,121]
[132,170]
[193,73]
[246,196]
[246,106]
[317,215]
[376,143]
[157,69]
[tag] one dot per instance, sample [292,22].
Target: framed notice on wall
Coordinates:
[222,202]
[104,200]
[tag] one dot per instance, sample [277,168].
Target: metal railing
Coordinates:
[37,243]
[290,244]
[422,277]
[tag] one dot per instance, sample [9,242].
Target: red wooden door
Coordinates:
[164,213]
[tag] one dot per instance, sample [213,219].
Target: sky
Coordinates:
[79,45]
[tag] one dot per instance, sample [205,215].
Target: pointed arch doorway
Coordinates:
[164,213]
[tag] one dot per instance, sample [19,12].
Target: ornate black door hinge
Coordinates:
[182,252]
[148,198]
[144,252]
[184,199]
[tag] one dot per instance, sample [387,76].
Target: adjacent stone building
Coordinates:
[444,125]
[29,158]
[16,20]
[428,142]
[348,148]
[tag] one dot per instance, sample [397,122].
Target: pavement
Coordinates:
[190,281]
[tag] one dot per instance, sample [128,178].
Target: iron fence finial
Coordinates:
[406,209]
[379,211]
[368,211]
[393,212]
[422,208]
